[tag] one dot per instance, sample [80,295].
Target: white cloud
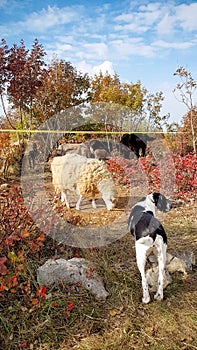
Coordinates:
[131,46]
[138,21]
[132,27]
[166,25]
[173,45]
[151,7]
[68,39]
[93,51]
[85,67]
[164,18]
[63,47]
[149,17]
[105,67]
[125,17]
[48,18]
[187,15]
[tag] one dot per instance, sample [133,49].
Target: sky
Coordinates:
[138,40]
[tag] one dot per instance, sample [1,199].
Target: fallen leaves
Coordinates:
[41,292]
[3,268]
[112,313]
[69,308]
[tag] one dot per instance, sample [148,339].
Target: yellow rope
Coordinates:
[92,132]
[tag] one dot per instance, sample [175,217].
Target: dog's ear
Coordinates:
[156,196]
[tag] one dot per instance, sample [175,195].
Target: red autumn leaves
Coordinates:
[178,173]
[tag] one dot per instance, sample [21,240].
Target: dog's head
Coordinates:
[161,201]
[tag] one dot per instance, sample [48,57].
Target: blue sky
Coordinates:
[139,40]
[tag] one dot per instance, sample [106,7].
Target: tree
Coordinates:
[151,108]
[186,89]
[36,71]
[4,52]
[63,87]
[25,74]
[105,88]
[21,74]
[187,142]
[17,84]
[122,101]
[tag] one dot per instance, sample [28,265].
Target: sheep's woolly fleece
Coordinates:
[65,170]
[92,176]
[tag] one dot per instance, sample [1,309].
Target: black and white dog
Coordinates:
[150,237]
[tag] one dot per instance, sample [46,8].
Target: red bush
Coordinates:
[186,175]
[172,174]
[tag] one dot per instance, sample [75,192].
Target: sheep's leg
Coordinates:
[108,203]
[79,202]
[161,265]
[64,199]
[141,250]
[93,204]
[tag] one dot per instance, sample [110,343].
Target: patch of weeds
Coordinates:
[173,289]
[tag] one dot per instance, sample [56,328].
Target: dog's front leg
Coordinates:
[141,250]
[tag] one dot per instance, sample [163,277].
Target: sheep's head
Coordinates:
[110,203]
[109,193]
[110,198]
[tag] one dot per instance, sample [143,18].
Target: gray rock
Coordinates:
[73,271]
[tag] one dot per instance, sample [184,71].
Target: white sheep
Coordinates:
[65,170]
[94,178]
[86,177]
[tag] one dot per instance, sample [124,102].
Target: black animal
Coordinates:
[136,143]
[32,155]
[108,147]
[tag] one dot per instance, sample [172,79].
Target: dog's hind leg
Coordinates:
[141,255]
[161,251]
